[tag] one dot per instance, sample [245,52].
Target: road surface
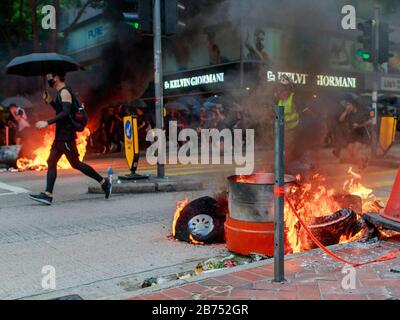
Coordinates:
[102,248]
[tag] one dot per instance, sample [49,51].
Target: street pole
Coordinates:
[241,46]
[279,199]
[158,76]
[376,27]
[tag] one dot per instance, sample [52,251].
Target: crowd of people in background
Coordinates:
[347,124]
[108,137]
[109,134]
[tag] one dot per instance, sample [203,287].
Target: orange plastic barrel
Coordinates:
[249,227]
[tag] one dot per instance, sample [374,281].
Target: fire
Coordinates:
[194,241]
[179,207]
[39,163]
[345,239]
[314,199]
[241,179]
[355,188]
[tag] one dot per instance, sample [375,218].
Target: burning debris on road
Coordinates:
[41,154]
[200,221]
[335,216]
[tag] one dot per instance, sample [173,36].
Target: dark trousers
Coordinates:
[68,149]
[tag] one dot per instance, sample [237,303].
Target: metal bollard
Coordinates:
[279,201]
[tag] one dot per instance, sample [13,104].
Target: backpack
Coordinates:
[79,117]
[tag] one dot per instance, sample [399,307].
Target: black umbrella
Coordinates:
[40,64]
[18,101]
[139,103]
[177,106]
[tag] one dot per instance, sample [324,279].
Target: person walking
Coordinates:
[355,121]
[65,136]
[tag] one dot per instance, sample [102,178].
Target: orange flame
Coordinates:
[39,163]
[355,188]
[179,208]
[315,199]
[194,241]
[180,205]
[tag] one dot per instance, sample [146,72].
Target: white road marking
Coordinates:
[13,189]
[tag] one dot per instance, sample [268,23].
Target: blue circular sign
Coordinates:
[128,129]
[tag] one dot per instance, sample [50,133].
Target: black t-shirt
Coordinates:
[109,121]
[65,131]
[359,117]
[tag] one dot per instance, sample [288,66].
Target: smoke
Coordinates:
[125,71]
[304,47]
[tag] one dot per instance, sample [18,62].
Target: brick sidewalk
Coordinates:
[310,276]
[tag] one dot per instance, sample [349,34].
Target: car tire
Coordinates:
[202,221]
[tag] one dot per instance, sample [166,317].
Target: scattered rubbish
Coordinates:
[218,264]
[184,276]
[149,282]
[199,269]
[230,264]
[255,257]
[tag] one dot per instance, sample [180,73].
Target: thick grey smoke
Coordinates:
[305,48]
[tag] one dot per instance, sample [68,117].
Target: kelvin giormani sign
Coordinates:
[195,81]
[321,80]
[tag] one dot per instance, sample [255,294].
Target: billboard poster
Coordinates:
[211,46]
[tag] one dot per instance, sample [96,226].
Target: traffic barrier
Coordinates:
[392,210]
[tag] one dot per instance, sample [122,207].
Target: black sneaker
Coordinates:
[107,187]
[42,198]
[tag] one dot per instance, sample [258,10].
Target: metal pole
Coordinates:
[241,47]
[158,75]
[279,202]
[376,27]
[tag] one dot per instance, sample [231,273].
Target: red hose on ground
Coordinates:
[386,257]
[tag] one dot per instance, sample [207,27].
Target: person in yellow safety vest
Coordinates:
[286,100]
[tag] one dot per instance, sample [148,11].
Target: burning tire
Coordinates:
[201,221]
[330,229]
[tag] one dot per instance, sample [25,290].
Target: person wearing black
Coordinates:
[64,142]
[143,125]
[119,124]
[354,122]
[110,126]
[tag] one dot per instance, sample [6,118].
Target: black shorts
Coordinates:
[359,135]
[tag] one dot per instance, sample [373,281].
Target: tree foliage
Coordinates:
[18,28]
